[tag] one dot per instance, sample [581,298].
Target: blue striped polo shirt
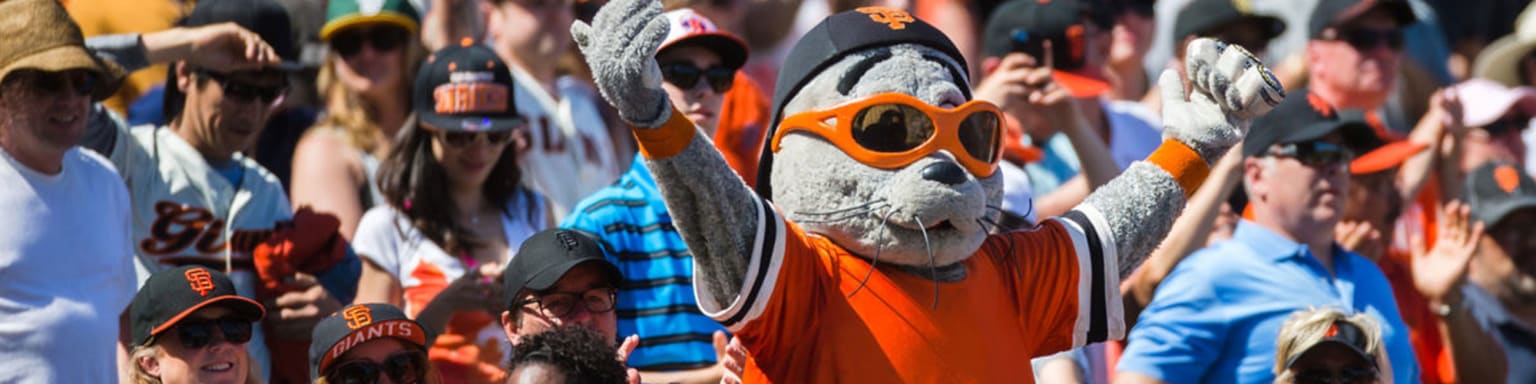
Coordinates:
[656,299]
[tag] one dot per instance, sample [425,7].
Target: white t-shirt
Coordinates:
[66,270]
[387,238]
[570,154]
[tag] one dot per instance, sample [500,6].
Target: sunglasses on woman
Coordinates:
[892,130]
[1344,376]
[464,139]
[383,39]
[246,92]
[401,367]
[196,334]
[686,76]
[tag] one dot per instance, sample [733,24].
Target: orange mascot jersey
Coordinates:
[1026,293]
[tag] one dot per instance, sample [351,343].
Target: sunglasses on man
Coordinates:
[349,42]
[561,304]
[238,90]
[686,76]
[196,334]
[402,367]
[1507,124]
[50,84]
[1314,153]
[1365,39]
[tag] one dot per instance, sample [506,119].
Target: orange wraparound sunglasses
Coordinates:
[892,130]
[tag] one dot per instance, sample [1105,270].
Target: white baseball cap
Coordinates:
[688,27]
[1484,101]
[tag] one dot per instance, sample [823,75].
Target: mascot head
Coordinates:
[877,145]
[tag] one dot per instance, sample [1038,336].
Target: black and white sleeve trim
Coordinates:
[1100,314]
[762,274]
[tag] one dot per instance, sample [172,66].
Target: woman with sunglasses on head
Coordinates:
[190,326]
[366,84]
[371,343]
[456,209]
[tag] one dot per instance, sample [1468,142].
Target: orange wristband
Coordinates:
[1181,162]
[667,140]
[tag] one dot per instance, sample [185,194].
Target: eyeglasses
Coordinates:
[53,84]
[464,139]
[1314,153]
[383,39]
[199,334]
[1345,376]
[1365,39]
[246,92]
[686,76]
[560,304]
[891,130]
[401,367]
[1507,124]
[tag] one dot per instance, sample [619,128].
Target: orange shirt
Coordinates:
[743,123]
[1026,294]
[1433,355]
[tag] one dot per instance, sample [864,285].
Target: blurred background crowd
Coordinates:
[1379,226]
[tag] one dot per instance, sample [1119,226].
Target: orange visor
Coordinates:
[892,130]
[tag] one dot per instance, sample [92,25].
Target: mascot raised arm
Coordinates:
[865,254]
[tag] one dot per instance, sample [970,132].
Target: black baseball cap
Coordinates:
[1343,333]
[356,324]
[546,257]
[465,88]
[1302,116]
[1329,13]
[173,294]
[1201,17]
[1064,23]
[1494,190]
[837,36]
[266,18]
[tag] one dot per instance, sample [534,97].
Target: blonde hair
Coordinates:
[1306,328]
[152,351]
[345,110]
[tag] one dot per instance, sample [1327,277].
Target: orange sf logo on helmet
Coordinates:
[357,316]
[199,280]
[896,19]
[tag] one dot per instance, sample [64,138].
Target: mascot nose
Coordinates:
[944,172]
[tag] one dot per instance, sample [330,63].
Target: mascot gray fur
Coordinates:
[840,277]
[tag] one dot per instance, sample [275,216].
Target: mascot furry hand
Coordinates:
[874,262]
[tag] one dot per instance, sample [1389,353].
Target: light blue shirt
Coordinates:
[1216,317]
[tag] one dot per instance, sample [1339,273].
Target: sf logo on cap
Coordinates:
[200,280]
[894,18]
[357,316]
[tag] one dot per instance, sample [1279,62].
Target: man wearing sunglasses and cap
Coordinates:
[1215,317]
[698,63]
[197,200]
[190,326]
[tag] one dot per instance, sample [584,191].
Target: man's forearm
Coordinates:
[1475,354]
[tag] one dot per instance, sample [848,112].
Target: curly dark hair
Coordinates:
[578,352]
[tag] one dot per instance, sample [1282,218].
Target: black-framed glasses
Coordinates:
[1314,153]
[1343,376]
[686,76]
[49,83]
[1365,39]
[402,367]
[464,139]
[1506,124]
[561,304]
[385,38]
[196,334]
[243,91]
